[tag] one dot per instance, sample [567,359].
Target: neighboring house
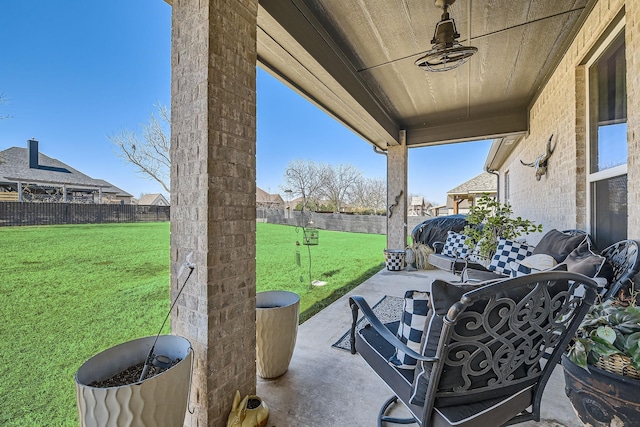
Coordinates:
[440,210]
[418,206]
[155,199]
[269,201]
[294,203]
[28,175]
[114,195]
[461,198]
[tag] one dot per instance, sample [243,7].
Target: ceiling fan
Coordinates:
[447,53]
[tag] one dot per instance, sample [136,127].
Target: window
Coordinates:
[607,146]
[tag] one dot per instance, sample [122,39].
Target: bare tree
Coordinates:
[340,180]
[305,179]
[377,194]
[370,193]
[150,154]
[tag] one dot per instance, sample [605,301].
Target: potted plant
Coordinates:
[601,367]
[277,315]
[138,383]
[488,220]
[110,392]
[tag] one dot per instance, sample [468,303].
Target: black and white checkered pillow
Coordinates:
[508,252]
[518,269]
[455,245]
[412,323]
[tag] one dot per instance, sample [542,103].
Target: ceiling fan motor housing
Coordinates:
[445,33]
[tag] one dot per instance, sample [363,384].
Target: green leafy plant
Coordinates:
[611,327]
[489,220]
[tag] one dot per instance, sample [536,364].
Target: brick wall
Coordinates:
[558,200]
[632,8]
[213,196]
[370,224]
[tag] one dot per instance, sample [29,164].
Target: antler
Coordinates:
[533,164]
[541,162]
[549,150]
[542,158]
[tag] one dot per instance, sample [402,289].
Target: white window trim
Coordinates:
[614,171]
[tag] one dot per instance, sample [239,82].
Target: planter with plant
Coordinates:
[601,367]
[488,220]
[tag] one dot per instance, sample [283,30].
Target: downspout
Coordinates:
[378,150]
[497,174]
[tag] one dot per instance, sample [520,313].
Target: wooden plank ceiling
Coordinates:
[355,60]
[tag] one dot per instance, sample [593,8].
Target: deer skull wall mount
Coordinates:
[540,163]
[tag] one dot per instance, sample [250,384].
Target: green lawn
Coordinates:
[68,292]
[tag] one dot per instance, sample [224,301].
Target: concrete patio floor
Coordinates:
[326,387]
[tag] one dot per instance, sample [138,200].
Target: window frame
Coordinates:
[593,177]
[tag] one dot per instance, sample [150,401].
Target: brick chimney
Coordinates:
[32,145]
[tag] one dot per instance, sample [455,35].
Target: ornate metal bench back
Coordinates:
[623,257]
[494,346]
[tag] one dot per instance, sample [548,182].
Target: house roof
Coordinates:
[151,199]
[417,201]
[113,189]
[500,150]
[484,183]
[15,168]
[264,197]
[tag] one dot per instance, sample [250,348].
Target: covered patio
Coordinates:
[356,61]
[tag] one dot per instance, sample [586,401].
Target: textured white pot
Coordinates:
[277,315]
[157,401]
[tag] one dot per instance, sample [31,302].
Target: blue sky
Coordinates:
[75,72]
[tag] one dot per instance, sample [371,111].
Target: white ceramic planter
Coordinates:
[277,315]
[158,401]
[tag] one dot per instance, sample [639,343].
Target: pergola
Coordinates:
[355,60]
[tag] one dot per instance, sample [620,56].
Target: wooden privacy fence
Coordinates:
[25,213]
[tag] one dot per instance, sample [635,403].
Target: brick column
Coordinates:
[213,193]
[632,40]
[397,161]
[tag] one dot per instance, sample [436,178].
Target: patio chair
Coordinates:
[488,352]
